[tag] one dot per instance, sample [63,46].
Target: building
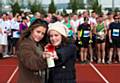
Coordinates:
[104,3]
[110,3]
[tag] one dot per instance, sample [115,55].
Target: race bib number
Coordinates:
[86,34]
[115,32]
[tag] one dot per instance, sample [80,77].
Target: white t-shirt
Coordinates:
[75,24]
[92,20]
[15,25]
[5,27]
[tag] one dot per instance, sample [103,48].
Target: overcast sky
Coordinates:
[104,3]
[56,1]
[108,3]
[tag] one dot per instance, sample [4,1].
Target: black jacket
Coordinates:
[64,70]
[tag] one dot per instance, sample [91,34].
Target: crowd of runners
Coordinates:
[96,36]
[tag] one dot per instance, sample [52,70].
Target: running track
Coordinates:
[85,73]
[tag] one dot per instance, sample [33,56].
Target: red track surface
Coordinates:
[85,73]
[7,66]
[111,72]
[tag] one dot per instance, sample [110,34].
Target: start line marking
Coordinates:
[11,77]
[98,72]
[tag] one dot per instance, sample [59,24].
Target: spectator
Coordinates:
[64,70]
[29,52]
[23,24]
[37,15]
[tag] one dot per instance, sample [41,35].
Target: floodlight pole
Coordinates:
[113,5]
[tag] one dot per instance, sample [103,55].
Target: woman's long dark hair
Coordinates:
[35,24]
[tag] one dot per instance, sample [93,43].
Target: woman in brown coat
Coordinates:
[29,52]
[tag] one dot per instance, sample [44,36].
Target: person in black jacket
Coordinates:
[64,69]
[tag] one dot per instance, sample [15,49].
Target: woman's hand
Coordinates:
[49,51]
[47,54]
[55,55]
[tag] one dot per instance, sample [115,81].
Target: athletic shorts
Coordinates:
[115,43]
[85,42]
[99,41]
[15,40]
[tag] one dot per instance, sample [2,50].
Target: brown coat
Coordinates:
[31,62]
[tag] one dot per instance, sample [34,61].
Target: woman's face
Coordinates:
[38,33]
[100,19]
[55,38]
[116,18]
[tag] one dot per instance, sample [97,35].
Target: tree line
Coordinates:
[73,4]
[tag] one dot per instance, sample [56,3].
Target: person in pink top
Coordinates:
[23,24]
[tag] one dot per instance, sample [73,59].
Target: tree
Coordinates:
[64,11]
[0,7]
[52,7]
[90,3]
[15,8]
[36,7]
[97,7]
[116,10]
[108,9]
[75,5]
[82,5]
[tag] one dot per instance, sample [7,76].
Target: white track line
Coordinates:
[98,72]
[11,77]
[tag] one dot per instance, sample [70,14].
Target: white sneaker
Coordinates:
[103,61]
[91,60]
[5,56]
[13,55]
[99,61]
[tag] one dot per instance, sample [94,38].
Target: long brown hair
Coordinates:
[35,24]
